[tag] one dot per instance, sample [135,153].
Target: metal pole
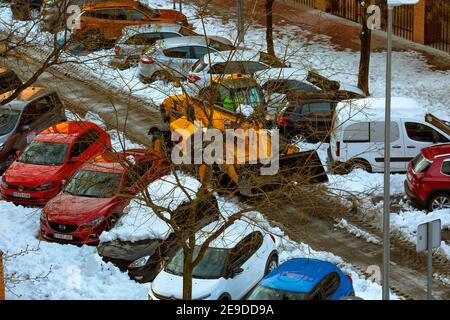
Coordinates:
[240,20]
[387,162]
[181,5]
[2,278]
[430,261]
[174,4]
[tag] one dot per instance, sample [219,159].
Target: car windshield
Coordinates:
[45,153]
[420,164]
[219,46]
[211,266]
[96,184]
[8,120]
[152,12]
[237,67]
[265,293]
[438,123]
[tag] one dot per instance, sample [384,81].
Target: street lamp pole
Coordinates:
[387,149]
[387,161]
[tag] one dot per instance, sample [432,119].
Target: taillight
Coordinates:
[282,121]
[272,237]
[338,149]
[193,78]
[349,278]
[146,60]
[117,50]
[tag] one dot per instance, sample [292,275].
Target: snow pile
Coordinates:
[343,224]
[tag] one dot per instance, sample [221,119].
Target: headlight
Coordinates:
[44,186]
[139,263]
[3,183]
[94,222]
[2,146]
[44,218]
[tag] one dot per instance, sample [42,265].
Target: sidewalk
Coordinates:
[344,34]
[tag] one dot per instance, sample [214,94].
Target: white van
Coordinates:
[357,137]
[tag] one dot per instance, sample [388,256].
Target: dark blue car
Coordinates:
[304,279]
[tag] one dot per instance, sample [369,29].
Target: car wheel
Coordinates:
[11,158]
[34,14]
[272,264]
[359,164]
[224,297]
[439,201]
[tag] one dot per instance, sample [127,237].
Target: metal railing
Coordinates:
[437,24]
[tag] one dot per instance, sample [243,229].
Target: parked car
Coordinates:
[97,194]
[144,259]
[427,182]
[23,118]
[26,9]
[172,58]
[219,64]
[357,136]
[51,158]
[231,266]
[103,22]
[136,39]
[304,279]
[9,81]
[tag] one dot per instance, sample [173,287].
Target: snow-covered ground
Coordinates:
[412,77]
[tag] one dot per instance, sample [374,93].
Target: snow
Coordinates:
[343,224]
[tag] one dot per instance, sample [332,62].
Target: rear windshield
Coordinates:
[421,164]
[8,120]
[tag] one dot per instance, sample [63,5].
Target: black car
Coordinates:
[144,259]
[26,9]
[9,80]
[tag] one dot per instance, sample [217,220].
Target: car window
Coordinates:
[357,132]
[315,108]
[245,249]
[31,114]
[144,39]
[377,131]
[102,14]
[237,67]
[132,15]
[423,133]
[84,142]
[446,167]
[317,293]
[168,35]
[181,52]
[330,284]
[199,51]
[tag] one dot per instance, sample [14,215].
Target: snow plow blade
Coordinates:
[302,167]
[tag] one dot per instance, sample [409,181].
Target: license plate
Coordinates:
[63,236]
[21,195]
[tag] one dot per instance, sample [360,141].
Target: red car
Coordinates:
[51,158]
[428,179]
[95,197]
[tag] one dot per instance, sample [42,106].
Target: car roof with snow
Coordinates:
[372,109]
[229,238]
[298,275]
[181,42]
[164,27]
[282,73]
[233,55]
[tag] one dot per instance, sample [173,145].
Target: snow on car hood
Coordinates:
[171,286]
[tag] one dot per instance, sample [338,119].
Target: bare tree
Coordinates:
[365,37]
[269,27]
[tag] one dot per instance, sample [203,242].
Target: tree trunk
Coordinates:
[364,62]
[269,27]
[187,274]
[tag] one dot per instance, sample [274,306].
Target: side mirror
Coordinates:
[63,182]
[18,153]
[235,272]
[74,159]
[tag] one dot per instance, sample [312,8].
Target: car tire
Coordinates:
[224,297]
[439,201]
[11,158]
[359,164]
[34,14]
[272,263]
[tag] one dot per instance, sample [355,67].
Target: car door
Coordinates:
[178,59]
[397,149]
[330,287]
[247,255]
[419,135]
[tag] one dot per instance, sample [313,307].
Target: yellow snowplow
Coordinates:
[255,158]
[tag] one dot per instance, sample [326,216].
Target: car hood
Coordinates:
[171,286]
[31,175]
[171,14]
[127,250]
[70,209]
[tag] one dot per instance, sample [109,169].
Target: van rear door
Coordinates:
[398,160]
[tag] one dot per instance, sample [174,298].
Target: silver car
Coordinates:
[173,58]
[136,39]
